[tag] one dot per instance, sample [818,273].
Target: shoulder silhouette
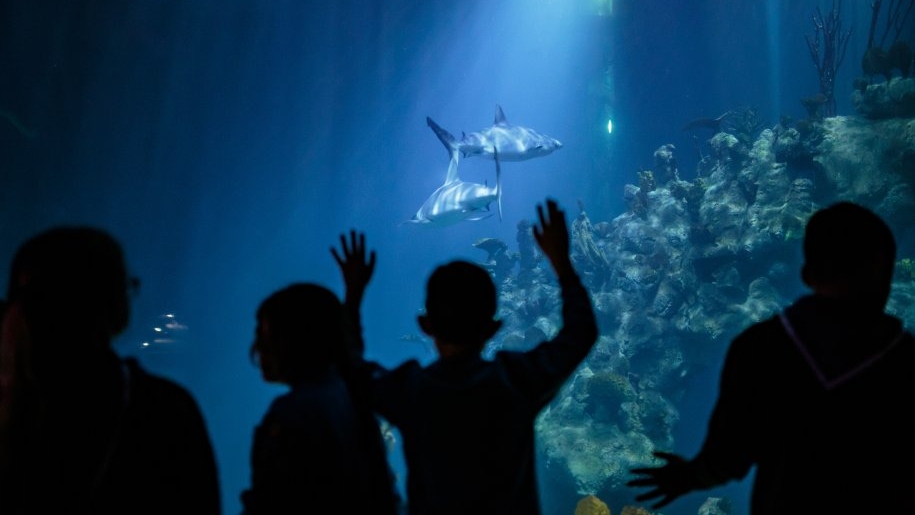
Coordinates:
[467,422]
[809,398]
[318,445]
[85,431]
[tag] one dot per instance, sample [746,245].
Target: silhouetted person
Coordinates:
[88,432]
[818,397]
[11,332]
[467,423]
[318,449]
[7,378]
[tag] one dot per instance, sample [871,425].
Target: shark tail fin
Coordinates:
[444,136]
[498,180]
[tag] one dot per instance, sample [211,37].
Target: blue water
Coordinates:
[228,144]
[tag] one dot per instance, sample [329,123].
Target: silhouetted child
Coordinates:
[318,449]
[88,432]
[818,397]
[467,423]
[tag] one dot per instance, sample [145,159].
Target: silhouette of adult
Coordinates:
[88,432]
[467,423]
[319,448]
[6,383]
[816,397]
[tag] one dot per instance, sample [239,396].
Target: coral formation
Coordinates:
[746,124]
[591,505]
[689,265]
[892,99]
[828,57]
[605,392]
[586,254]
[499,261]
[634,510]
[905,269]
[716,506]
[877,61]
[527,253]
[665,161]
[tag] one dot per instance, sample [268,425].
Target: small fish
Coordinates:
[513,142]
[426,343]
[714,124]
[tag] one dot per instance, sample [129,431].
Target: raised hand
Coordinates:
[356,269]
[669,481]
[552,235]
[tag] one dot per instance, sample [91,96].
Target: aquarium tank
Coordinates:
[228,144]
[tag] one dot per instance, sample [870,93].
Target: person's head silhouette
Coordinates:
[460,307]
[300,333]
[71,285]
[849,253]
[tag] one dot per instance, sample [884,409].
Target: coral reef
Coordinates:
[894,98]
[634,510]
[877,61]
[716,506]
[684,269]
[591,505]
[499,261]
[667,164]
[745,123]
[905,269]
[871,161]
[829,56]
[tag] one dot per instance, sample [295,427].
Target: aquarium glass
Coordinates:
[229,144]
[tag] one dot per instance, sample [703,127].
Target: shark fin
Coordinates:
[444,136]
[500,116]
[478,217]
[452,174]
[464,153]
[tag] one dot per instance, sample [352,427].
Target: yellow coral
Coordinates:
[591,505]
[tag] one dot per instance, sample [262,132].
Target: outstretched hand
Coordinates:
[552,235]
[357,270]
[670,480]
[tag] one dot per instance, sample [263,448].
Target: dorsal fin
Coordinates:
[452,174]
[500,116]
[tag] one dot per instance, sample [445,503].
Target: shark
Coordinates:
[456,200]
[513,142]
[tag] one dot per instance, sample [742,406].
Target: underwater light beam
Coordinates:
[773,17]
[609,126]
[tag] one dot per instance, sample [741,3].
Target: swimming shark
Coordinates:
[456,200]
[514,142]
